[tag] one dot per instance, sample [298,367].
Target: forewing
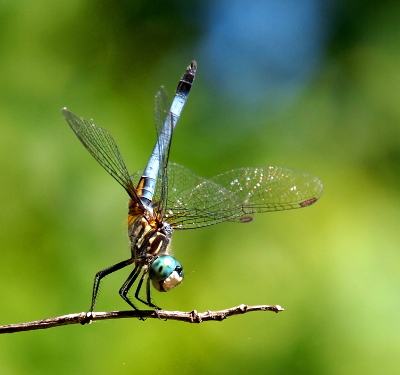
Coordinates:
[161,108]
[102,147]
[270,189]
[237,195]
[164,137]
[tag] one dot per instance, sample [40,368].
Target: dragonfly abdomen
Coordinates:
[147,184]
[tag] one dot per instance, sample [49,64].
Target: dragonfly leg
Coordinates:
[123,292]
[148,302]
[97,279]
[149,296]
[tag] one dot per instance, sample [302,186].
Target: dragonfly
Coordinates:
[166,196]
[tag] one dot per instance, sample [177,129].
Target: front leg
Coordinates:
[123,292]
[148,302]
[97,279]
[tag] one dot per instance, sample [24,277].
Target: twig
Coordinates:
[189,317]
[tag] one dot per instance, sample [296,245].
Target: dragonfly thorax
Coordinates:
[149,238]
[150,244]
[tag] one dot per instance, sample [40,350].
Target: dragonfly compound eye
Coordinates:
[165,273]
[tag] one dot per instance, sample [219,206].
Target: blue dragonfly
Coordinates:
[166,196]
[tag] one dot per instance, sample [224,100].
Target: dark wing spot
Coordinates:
[246,219]
[308,202]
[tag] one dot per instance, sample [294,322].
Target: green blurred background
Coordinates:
[328,105]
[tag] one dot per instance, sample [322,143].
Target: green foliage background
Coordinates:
[334,267]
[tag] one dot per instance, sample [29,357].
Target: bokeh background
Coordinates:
[310,85]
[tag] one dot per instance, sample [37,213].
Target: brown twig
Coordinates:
[189,317]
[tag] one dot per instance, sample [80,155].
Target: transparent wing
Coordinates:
[236,195]
[161,112]
[103,148]
[270,189]
[161,108]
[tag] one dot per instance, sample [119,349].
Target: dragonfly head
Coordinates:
[165,273]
